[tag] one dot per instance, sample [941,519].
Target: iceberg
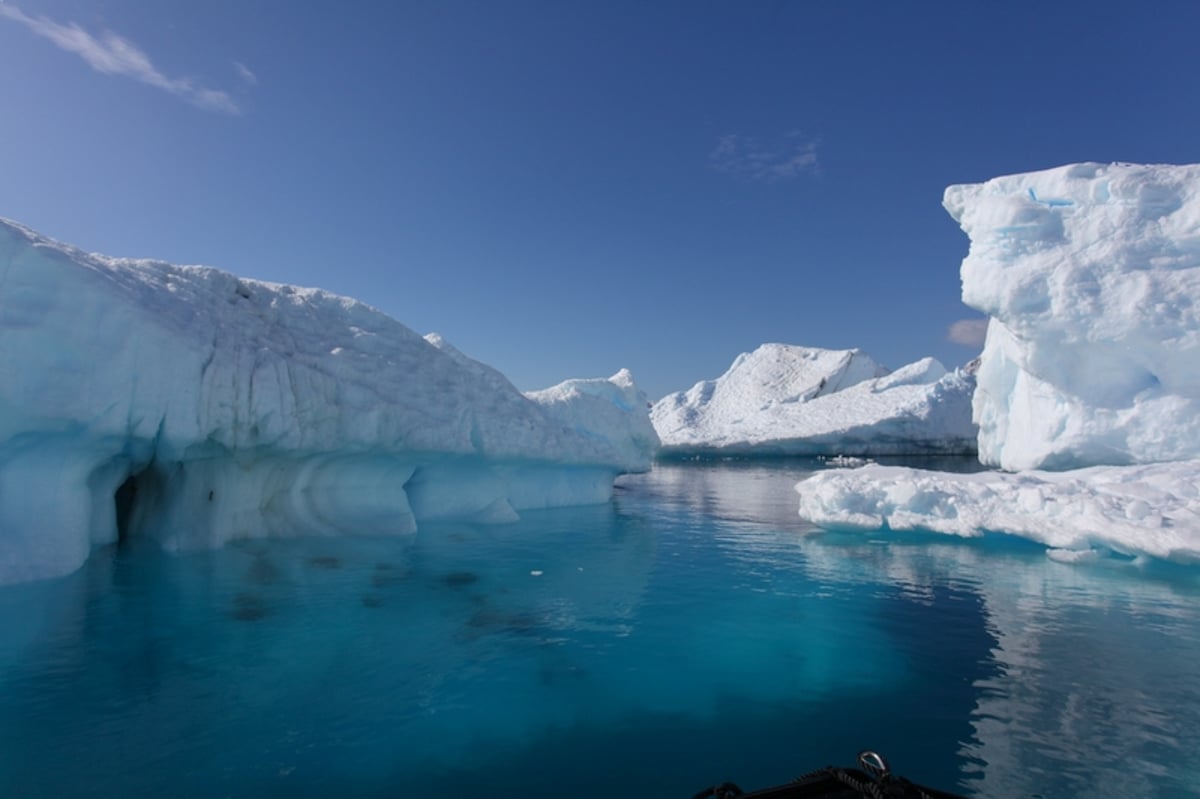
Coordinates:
[1088,388]
[613,404]
[1091,275]
[1081,514]
[785,400]
[187,405]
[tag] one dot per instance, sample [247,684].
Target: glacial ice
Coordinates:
[185,404]
[1091,275]
[1151,509]
[616,403]
[790,400]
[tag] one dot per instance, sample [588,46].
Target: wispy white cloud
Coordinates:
[244,72]
[749,157]
[968,332]
[111,54]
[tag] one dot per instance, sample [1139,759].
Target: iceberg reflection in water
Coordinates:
[692,631]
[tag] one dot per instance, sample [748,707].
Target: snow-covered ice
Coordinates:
[1153,509]
[790,400]
[1091,275]
[616,403]
[186,404]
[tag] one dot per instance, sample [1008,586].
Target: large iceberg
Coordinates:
[1091,276]
[789,400]
[185,404]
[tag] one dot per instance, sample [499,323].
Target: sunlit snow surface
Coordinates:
[1091,276]
[185,404]
[789,400]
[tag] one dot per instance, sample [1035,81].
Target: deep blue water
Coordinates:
[690,632]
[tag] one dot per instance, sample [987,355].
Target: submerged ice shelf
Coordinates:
[184,403]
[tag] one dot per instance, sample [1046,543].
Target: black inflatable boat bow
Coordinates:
[872,779]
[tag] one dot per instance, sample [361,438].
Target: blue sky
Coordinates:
[562,189]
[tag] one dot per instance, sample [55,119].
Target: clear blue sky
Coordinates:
[564,188]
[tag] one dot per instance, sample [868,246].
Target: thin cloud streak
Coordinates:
[244,72]
[968,332]
[750,158]
[111,54]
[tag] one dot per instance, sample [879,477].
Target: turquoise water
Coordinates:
[692,631]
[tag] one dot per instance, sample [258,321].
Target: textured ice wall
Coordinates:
[184,403]
[1091,276]
[616,403]
[789,400]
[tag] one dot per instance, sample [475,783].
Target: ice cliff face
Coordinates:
[1089,383]
[186,404]
[789,400]
[1091,276]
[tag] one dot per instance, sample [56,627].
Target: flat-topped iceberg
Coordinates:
[1135,510]
[1091,276]
[790,400]
[185,404]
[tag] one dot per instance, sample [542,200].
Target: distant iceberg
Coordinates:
[1091,276]
[804,401]
[185,404]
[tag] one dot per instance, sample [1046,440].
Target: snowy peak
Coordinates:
[787,373]
[790,400]
[774,374]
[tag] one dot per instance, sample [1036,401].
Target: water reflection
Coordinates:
[1089,682]
[249,670]
[693,630]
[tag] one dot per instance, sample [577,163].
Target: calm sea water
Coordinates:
[692,631]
